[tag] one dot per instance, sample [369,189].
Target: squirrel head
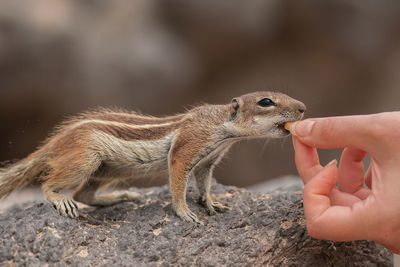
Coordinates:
[263,114]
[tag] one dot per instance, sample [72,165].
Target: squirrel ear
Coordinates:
[234,110]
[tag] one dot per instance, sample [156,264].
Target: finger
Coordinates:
[307,160]
[324,221]
[368,177]
[351,170]
[363,193]
[337,132]
[339,198]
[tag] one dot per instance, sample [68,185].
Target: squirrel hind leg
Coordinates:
[86,193]
[65,178]
[114,198]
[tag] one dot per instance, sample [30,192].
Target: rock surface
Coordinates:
[260,229]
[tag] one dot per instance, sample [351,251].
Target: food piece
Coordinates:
[288,125]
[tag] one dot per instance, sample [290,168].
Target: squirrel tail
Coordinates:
[20,174]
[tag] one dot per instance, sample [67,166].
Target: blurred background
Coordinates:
[59,57]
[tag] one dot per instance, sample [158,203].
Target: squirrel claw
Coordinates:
[212,206]
[219,207]
[215,207]
[188,216]
[67,207]
[129,196]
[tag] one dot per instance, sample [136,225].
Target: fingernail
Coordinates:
[302,128]
[332,162]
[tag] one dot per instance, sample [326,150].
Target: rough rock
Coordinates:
[260,229]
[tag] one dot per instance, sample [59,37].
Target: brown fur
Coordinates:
[95,148]
[131,118]
[126,133]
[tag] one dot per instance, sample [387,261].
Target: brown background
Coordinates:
[58,58]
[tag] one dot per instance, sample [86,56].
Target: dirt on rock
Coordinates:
[259,229]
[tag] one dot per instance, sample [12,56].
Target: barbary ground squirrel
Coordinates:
[96,148]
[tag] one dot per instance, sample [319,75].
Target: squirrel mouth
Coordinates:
[281,127]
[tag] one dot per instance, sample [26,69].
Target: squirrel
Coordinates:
[97,148]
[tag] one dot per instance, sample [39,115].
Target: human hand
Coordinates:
[350,211]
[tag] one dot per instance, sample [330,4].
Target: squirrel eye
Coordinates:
[266,102]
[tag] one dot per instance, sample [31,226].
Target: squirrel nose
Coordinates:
[301,108]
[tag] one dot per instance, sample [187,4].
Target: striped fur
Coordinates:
[95,148]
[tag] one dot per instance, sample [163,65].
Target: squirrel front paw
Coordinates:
[217,207]
[187,215]
[212,206]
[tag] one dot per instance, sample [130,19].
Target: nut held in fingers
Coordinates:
[291,127]
[288,125]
